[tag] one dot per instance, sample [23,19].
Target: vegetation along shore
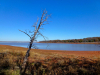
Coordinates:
[90,40]
[49,62]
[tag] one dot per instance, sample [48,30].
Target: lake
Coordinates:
[57,46]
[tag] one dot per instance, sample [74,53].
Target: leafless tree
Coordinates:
[43,21]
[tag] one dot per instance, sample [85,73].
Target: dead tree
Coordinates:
[43,21]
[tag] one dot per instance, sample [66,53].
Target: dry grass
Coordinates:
[46,63]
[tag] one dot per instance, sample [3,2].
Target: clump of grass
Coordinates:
[11,60]
[8,62]
[65,66]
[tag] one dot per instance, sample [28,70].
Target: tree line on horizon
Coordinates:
[90,39]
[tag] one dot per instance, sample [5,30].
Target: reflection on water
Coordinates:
[56,46]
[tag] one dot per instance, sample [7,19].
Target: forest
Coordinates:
[90,39]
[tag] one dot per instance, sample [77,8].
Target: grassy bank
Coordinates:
[46,62]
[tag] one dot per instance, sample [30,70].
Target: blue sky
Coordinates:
[70,19]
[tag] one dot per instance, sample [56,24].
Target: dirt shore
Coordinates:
[87,54]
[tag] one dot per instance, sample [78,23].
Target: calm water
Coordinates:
[55,46]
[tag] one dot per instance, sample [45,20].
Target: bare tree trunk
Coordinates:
[44,18]
[27,53]
[24,65]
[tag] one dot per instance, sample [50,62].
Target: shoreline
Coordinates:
[53,42]
[67,53]
[74,43]
[51,49]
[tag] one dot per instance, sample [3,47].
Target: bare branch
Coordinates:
[31,31]
[36,32]
[42,35]
[41,28]
[35,47]
[35,24]
[45,23]
[32,35]
[25,33]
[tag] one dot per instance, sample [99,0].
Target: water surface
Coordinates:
[57,46]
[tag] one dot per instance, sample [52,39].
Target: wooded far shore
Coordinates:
[90,40]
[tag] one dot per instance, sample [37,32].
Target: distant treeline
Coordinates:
[91,39]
